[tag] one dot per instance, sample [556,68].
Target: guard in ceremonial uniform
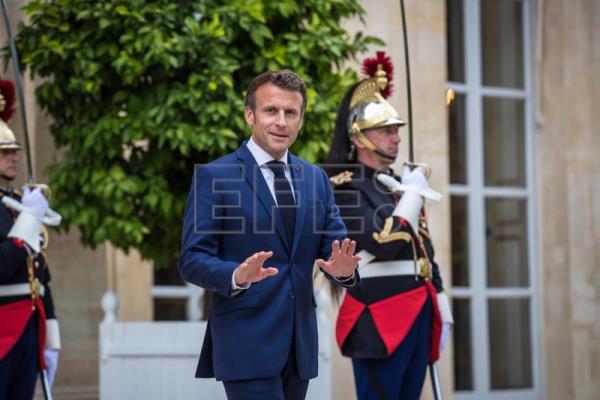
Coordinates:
[29,334]
[397,320]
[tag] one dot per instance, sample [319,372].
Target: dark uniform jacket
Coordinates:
[366,206]
[13,266]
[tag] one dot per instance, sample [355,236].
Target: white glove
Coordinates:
[446,328]
[27,226]
[415,178]
[35,201]
[409,206]
[415,181]
[447,318]
[51,357]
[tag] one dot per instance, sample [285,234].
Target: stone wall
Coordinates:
[569,193]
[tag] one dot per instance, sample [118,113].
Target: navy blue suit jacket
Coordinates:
[230,215]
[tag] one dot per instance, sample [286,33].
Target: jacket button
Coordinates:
[291,294]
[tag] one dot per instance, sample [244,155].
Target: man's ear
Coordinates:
[357,144]
[301,121]
[249,116]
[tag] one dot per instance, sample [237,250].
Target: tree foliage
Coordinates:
[140,90]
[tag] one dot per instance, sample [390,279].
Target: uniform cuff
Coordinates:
[52,334]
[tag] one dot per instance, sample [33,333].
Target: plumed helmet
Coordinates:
[368,107]
[8,141]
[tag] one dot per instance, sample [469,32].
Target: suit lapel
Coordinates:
[259,187]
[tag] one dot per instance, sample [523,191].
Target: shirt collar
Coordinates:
[261,156]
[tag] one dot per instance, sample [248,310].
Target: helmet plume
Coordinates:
[7,88]
[380,61]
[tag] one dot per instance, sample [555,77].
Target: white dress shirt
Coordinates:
[262,158]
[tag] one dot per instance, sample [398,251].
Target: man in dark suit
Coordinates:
[255,222]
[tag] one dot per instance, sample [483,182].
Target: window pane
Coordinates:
[455,40]
[460,241]
[510,343]
[457,125]
[506,221]
[463,360]
[170,309]
[502,43]
[504,141]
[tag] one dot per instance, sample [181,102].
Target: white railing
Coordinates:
[192,295]
[157,360]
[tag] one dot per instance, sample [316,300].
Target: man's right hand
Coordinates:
[252,270]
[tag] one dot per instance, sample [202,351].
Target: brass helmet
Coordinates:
[368,107]
[8,141]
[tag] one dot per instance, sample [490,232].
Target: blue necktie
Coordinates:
[285,198]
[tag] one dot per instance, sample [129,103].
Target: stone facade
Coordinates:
[568,175]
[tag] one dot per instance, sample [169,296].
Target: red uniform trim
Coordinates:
[393,318]
[14,317]
[436,325]
[350,310]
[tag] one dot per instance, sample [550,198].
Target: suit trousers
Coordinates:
[19,368]
[286,386]
[401,375]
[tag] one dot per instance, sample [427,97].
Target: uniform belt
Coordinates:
[388,268]
[17,289]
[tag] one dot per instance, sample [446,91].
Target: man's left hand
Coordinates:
[342,262]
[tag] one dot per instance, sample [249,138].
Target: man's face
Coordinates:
[386,138]
[8,163]
[276,120]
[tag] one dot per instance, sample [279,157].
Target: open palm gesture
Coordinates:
[342,262]
[252,269]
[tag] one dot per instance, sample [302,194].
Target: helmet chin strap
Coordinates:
[358,135]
